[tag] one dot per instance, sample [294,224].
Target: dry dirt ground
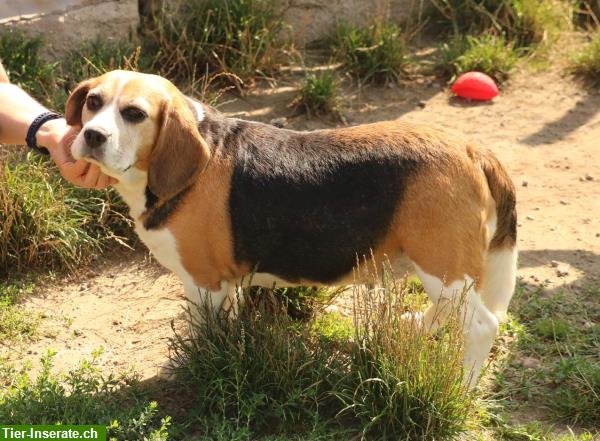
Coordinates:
[544,127]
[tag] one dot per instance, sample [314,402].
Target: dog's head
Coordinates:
[134,122]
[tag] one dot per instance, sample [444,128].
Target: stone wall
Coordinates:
[64,24]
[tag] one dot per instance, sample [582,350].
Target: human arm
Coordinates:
[18,110]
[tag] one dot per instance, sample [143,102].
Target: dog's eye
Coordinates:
[133,114]
[93,102]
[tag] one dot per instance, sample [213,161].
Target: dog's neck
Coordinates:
[132,189]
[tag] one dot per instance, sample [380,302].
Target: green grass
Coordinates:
[20,57]
[81,396]
[587,62]
[488,54]
[562,333]
[16,323]
[375,53]
[318,94]
[47,224]
[235,36]
[263,374]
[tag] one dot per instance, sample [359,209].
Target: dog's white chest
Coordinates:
[163,246]
[161,242]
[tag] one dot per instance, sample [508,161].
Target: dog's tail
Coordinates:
[501,256]
[504,194]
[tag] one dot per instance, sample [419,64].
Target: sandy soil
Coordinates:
[543,127]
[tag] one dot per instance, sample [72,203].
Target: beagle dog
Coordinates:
[217,199]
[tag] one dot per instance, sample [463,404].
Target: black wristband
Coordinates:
[35,126]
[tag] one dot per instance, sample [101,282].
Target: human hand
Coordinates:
[57,137]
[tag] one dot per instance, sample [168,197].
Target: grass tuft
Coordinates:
[488,54]
[587,62]
[577,391]
[375,53]
[20,56]
[524,22]
[318,94]
[235,36]
[45,224]
[15,322]
[266,374]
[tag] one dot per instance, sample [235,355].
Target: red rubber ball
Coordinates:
[475,86]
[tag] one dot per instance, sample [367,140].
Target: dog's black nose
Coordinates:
[94,138]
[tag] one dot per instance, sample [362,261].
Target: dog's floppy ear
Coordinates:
[180,152]
[75,103]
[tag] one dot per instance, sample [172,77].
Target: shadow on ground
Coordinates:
[583,111]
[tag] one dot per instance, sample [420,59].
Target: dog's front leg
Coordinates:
[227,299]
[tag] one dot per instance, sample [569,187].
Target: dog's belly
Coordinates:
[400,266]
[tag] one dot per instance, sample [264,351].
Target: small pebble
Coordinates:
[547,281]
[563,202]
[525,184]
[77,332]
[422,104]
[537,208]
[589,177]
[554,263]
[529,217]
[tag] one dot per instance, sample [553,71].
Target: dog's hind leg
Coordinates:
[480,325]
[501,274]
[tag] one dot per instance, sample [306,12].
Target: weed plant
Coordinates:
[82,396]
[375,53]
